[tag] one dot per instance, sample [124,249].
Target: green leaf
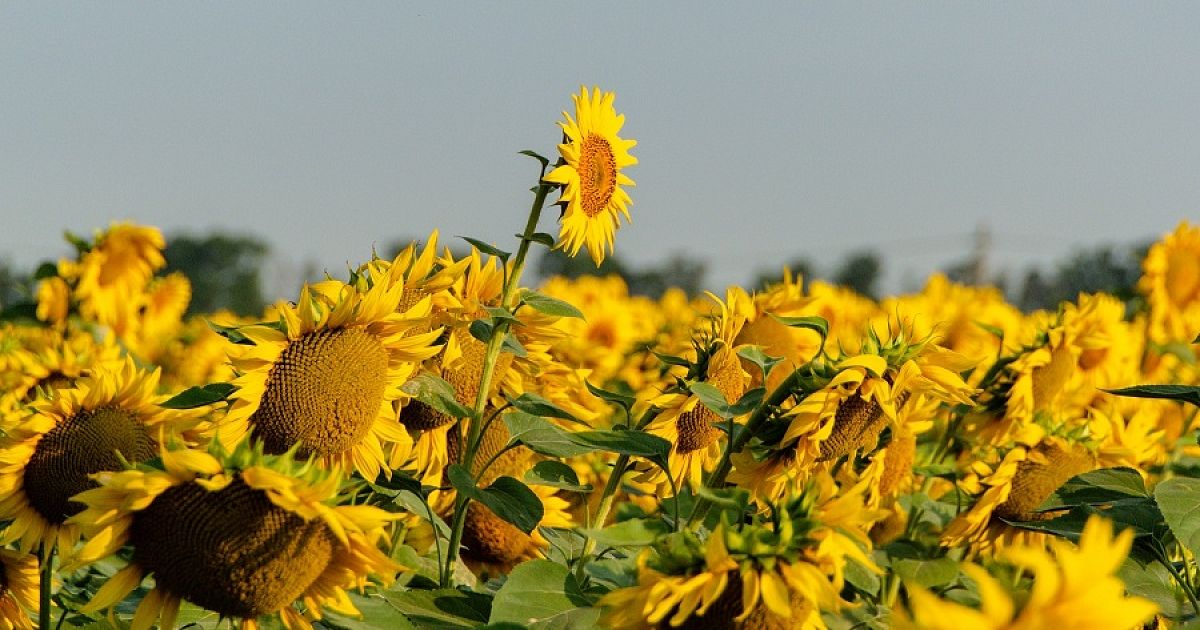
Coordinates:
[926,573]
[533,154]
[441,608]
[536,590]
[635,532]
[193,397]
[995,331]
[556,475]
[45,270]
[1182,393]
[513,346]
[487,249]
[748,402]
[1197,339]
[671,359]
[1139,514]
[1178,499]
[481,330]
[541,436]
[501,315]
[1152,581]
[534,404]
[1102,486]
[755,355]
[862,578]
[229,332]
[632,443]
[550,306]
[507,498]
[417,505]
[541,238]
[378,614]
[623,400]
[81,244]
[811,322]
[574,619]
[437,393]
[712,398]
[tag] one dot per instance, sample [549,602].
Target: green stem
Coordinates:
[1165,560]
[735,445]
[610,493]
[46,558]
[476,421]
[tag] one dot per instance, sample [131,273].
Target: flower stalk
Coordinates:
[475,423]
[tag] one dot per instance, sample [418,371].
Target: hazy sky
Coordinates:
[764,131]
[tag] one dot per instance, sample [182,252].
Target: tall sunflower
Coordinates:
[248,537]
[327,375]
[592,179]
[110,417]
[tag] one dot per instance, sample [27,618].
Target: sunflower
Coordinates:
[1024,479]
[248,537]
[1171,284]
[18,589]
[592,180]
[327,375]
[111,276]
[1075,587]
[687,424]
[776,571]
[111,416]
[59,365]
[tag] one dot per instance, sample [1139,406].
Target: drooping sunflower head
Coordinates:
[58,366]
[245,536]
[1012,490]
[112,416]
[592,176]
[327,374]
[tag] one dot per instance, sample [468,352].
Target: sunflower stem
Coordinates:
[476,421]
[736,444]
[46,558]
[609,494]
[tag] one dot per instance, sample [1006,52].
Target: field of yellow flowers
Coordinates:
[427,443]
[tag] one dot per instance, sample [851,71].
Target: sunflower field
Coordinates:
[425,442]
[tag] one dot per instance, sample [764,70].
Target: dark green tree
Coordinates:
[860,271]
[224,270]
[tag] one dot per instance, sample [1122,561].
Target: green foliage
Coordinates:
[507,498]
[541,594]
[224,270]
[193,397]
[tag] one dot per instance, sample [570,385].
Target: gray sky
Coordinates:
[764,133]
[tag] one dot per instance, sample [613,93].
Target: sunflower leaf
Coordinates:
[635,532]
[1181,393]
[535,155]
[671,359]
[441,608]
[45,270]
[501,315]
[229,332]
[537,590]
[487,249]
[194,397]
[633,443]
[513,346]
[541,436]
[507,498]
[534,404]
[622,400]
[437,393]
[712,398]
[481,330]
[755,355]
[811,322]
[550,306]
[556,475]
[541,238]
[1179,500]
[1098,487]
